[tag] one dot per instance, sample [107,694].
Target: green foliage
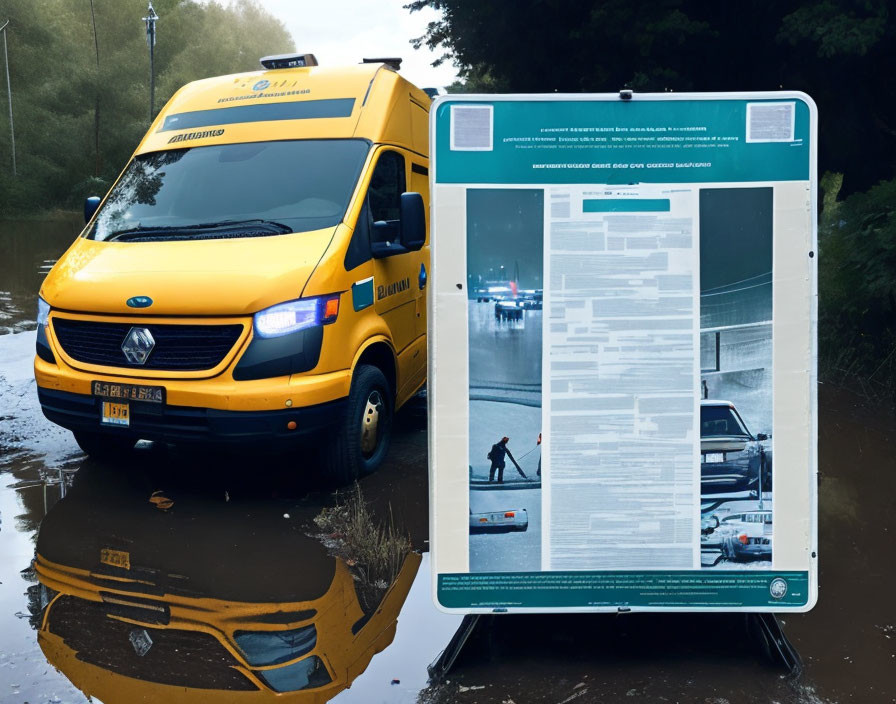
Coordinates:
[836,28]
[857,281]
[476,80]
[841,52]
[80,108]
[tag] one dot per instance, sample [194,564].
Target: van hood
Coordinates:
[238,276]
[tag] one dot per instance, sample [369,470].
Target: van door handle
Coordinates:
[421,279]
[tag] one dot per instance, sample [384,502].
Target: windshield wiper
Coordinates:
[224,228]
[257,222]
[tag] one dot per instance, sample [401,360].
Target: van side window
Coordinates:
[384,195]
[381,206]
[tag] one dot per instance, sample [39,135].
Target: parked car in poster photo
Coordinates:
[499,521]
[732,459]
[746,535]
[532,299]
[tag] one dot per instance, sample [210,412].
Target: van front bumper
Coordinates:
[163,422]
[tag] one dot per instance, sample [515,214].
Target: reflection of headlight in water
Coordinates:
[273,647]
[304,674]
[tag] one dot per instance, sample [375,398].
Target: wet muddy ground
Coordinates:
[230,550]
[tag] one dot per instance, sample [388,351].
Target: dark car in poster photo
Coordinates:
[746,535]
[732,459]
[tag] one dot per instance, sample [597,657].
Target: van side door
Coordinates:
[396,290]
[420,184]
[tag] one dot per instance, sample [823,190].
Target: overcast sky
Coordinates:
[342,32]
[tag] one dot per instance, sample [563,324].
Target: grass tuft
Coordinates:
[374,551]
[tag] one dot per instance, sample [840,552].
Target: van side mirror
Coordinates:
[382,242]
[384,239]
[413,221]
[90,205]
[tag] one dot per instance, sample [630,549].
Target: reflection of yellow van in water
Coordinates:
[257,272]
[146,605]
[118,643]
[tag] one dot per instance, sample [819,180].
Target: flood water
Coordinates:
[178,576]
[28,250]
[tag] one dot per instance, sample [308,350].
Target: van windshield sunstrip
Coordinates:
[232,190]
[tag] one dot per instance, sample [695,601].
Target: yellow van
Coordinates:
[257,272]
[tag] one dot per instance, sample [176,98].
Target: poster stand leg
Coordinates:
[763,627]
[442,664]
[767,631]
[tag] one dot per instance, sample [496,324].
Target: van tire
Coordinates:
[104,447]
[343,458]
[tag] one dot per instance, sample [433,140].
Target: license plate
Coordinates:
[128,392]
[116,414]
[115,558]
[714,457]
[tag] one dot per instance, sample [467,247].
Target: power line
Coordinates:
[12,131]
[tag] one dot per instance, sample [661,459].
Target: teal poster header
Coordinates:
[617,142]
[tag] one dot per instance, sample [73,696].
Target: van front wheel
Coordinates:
[359,445]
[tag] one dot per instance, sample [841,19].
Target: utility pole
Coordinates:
[96,97]
[150,20]
[12,132]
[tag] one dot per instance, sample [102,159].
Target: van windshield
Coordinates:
[232,190]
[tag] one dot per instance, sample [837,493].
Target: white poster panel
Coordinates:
[622,353]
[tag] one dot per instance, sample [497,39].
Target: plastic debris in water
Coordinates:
[161,501]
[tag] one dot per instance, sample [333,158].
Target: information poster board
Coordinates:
[622,348]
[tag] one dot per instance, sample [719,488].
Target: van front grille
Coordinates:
[175,657]
[177,347]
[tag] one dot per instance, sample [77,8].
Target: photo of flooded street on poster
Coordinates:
[504,264]
[736,378]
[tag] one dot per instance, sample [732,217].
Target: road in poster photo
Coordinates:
[736,378]
[505,244]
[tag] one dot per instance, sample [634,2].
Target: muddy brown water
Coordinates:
[231,538]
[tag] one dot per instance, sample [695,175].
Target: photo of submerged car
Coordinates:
[746,535]
[732,459]
[532,299]
[499,521]
[508,310]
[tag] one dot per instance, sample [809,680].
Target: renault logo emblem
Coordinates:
[137,345]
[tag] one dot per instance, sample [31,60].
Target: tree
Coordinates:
[835,50]
[81,106]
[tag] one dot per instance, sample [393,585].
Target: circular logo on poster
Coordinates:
[778,588]
[261,85]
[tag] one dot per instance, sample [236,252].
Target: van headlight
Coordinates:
[293,316]
[263,648]
[43,313]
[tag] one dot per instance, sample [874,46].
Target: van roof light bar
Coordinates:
[288,61]
[392,62]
